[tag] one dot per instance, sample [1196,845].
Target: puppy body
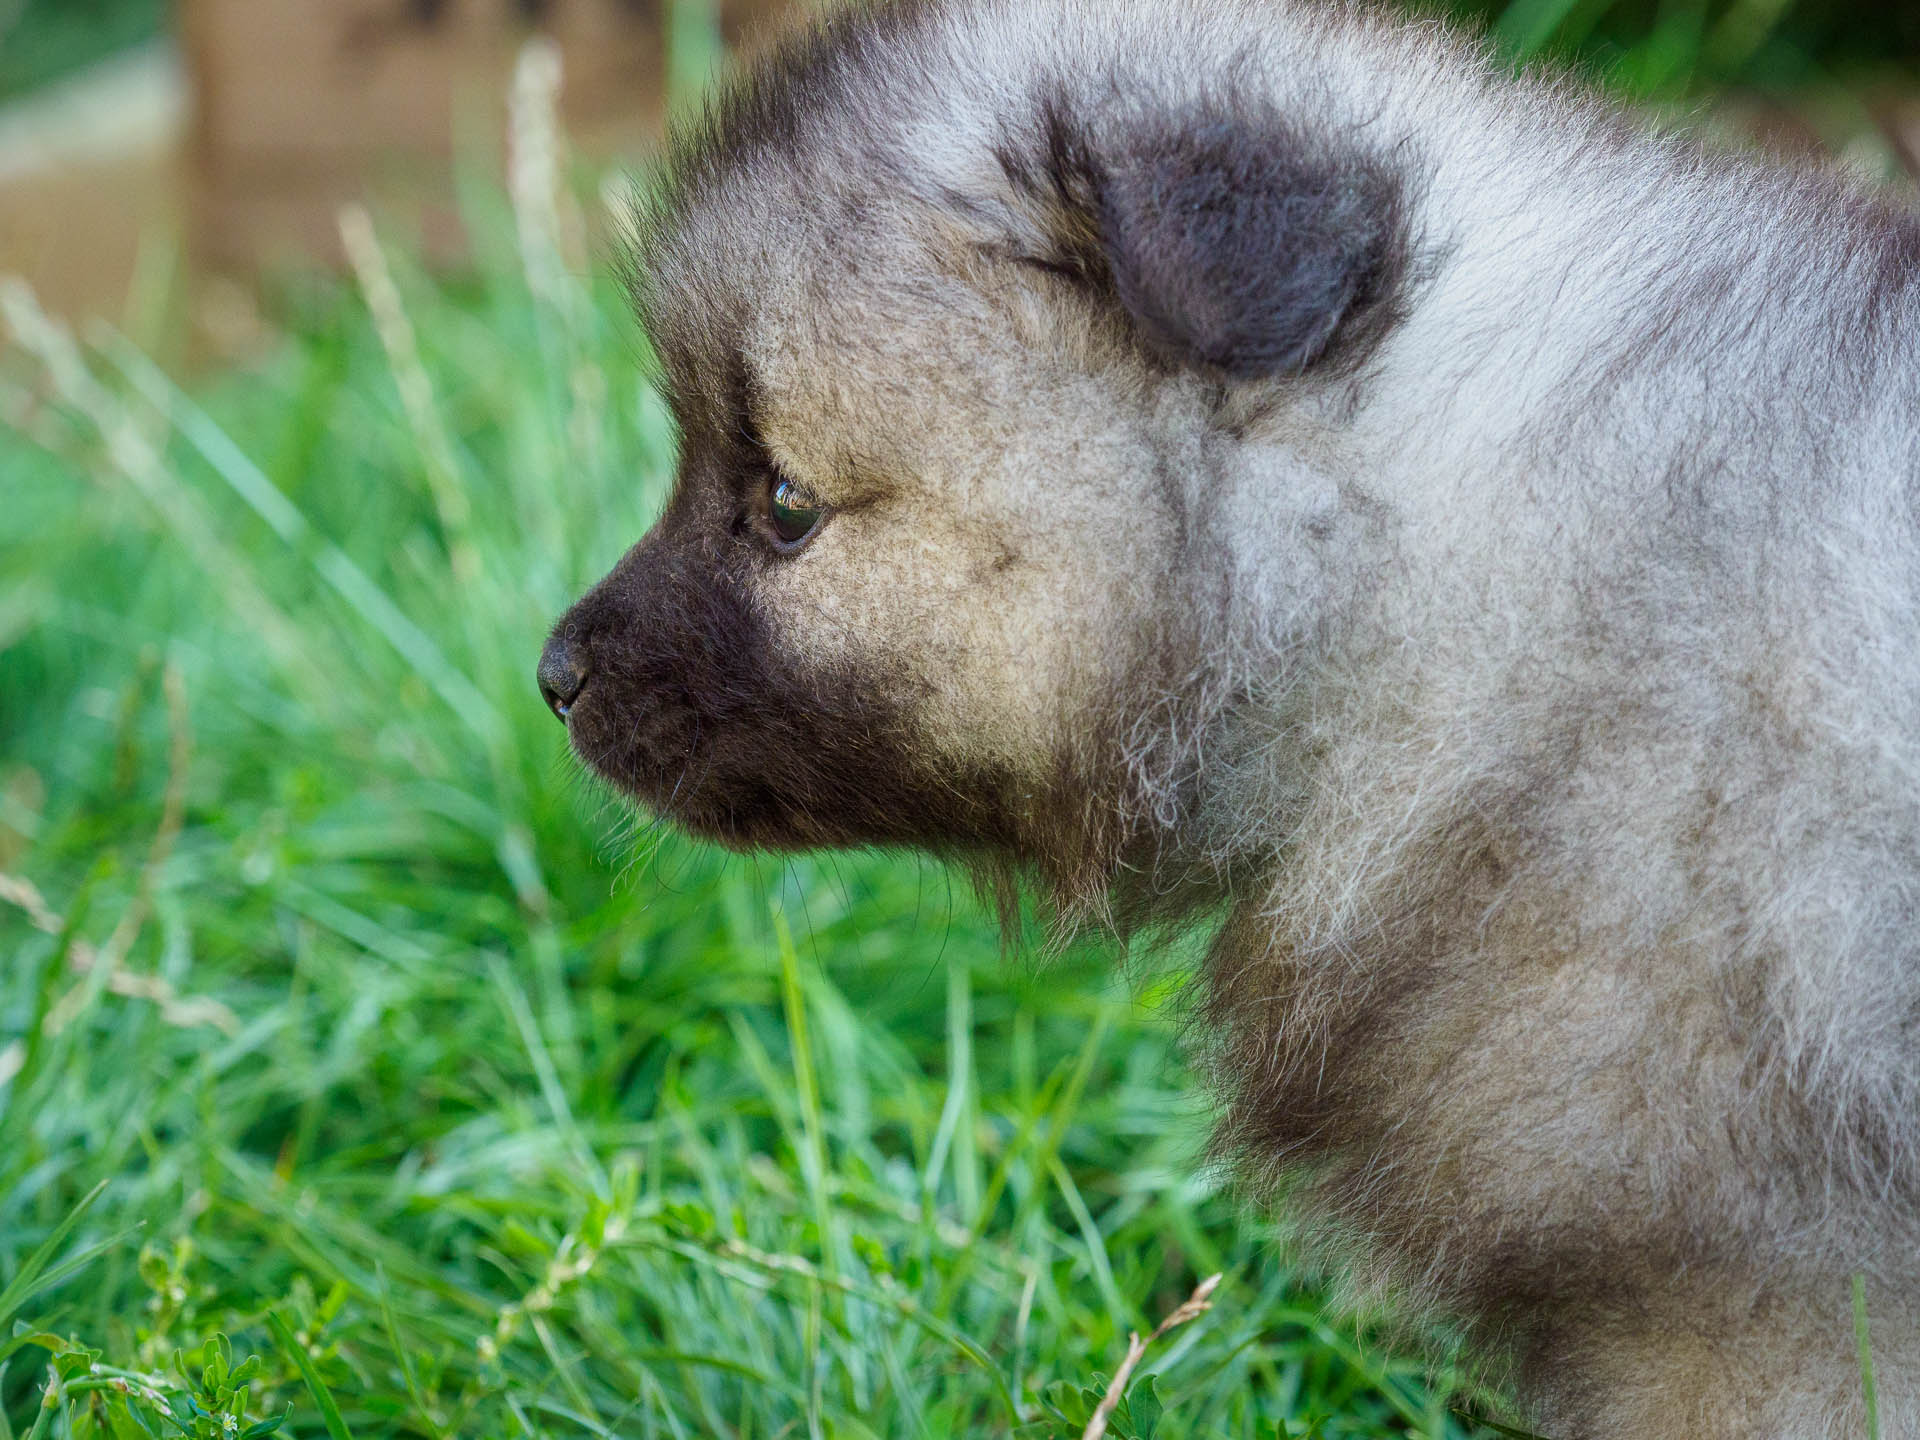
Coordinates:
[1275,463]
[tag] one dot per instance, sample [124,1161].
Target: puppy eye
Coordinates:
[792,518]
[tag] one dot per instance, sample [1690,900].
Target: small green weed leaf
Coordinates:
[1068,1403]
[215,1356]
[1143,1405]
[25,1335]
[137,1413]
[72,1361]
[125,1422]
[153,1268]
[330,1307]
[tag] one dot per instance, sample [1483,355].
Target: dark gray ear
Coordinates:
[1235,241]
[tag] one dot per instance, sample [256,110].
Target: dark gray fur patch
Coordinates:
[1234,241]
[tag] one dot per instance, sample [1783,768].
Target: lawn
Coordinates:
[345,1025]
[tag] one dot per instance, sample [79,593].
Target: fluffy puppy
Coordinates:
[1265,460]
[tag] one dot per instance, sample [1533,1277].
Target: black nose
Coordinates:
[562,673]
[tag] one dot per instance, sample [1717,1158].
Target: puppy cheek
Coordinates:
[994,632]
[984,692]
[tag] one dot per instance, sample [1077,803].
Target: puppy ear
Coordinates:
[1232,241]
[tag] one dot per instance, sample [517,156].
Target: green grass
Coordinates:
[418,1068]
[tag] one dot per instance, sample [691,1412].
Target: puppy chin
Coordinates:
[648,756]
[742,819]
[657,761]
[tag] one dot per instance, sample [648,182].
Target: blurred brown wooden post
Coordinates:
[290,109]
[90,188]
[302,105]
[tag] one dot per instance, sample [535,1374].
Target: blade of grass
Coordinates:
[957,1112]
[1864,1345]
[29,1281]
[291,1347]
[814,1166]
[514,1001]
[807,1086]
[334,565]
[1102,1268]
[894,1300]
[400,1354]
[75,1263]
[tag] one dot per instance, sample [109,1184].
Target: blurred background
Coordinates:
[343,1025]
[146,146]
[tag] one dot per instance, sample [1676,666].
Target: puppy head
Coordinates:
[955,346]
